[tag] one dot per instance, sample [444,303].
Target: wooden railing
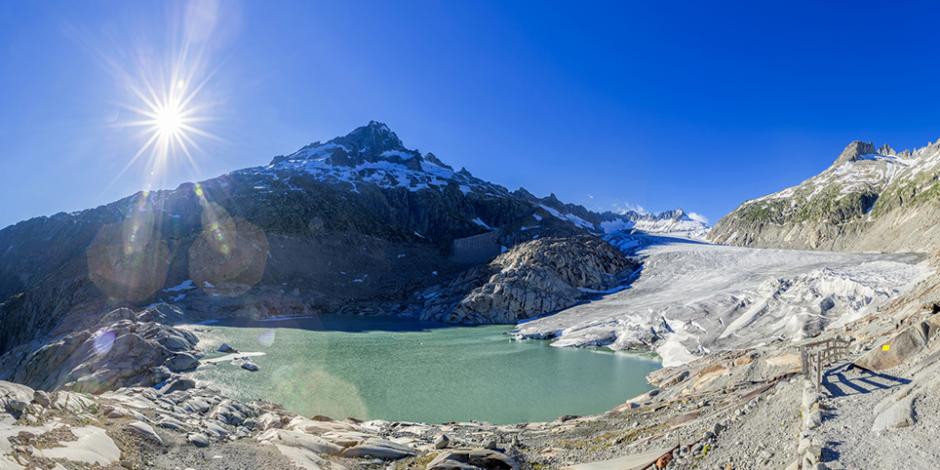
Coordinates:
[818,355]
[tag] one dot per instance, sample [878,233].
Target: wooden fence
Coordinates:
[818,355]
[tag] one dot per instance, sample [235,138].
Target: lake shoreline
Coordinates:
[495,378]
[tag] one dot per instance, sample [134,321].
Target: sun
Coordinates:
[168,121]
[169,115]
[169,118]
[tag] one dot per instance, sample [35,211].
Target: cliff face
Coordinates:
[868,200]
[535,278]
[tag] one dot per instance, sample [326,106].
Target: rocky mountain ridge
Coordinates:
[357,224]
[869,199]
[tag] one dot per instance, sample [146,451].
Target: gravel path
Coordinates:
[850,441]
[762,434]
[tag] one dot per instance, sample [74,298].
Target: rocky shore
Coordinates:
[742,409]
[118,392]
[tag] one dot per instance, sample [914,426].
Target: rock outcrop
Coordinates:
[143,427]
[121,351]
[532,279]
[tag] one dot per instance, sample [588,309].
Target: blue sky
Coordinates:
[699,105]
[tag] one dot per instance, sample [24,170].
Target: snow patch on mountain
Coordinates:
[575,220]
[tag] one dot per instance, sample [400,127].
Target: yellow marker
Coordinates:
[886,347]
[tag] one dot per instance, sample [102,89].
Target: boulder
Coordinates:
[300,440]
[171,423]
[198,439]
[178,385]
[215,430]
[42,399]
[250,366]
[176,340]
[472,459]
[232,412]
[143,430]
[898,414]
[14,398]
[346,438]
[227,349]
[902,346]
[182,362]
[72,402]
[441,441]
[379,449]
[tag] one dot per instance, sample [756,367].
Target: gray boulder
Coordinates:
[463,459]
[379,449]
[894,414]
[441,441]
[178,385]
[143,430]
[198,439]
[182,362]
[14,398]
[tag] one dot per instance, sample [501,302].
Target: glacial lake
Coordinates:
[399,369]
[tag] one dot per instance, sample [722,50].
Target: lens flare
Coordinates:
[103,341]
[129,260]
[267,337]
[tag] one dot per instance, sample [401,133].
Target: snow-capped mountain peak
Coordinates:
[675,221]
[873,190]
[370,143]
[672,221]
[373,154]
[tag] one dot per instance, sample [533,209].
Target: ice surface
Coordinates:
[691,298]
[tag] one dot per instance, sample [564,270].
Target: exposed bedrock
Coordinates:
[532,279]
[124,349]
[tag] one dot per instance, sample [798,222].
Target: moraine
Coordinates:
[398,369]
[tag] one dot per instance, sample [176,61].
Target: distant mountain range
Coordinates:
[868,199]
[357,224]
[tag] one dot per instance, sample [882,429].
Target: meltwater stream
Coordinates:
[395,369]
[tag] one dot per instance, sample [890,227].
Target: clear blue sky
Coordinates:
[662,104]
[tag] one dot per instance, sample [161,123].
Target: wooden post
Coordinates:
[818,369]
[804,363]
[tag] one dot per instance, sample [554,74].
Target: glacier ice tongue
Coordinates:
[692,298]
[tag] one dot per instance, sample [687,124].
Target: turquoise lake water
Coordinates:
[395,369]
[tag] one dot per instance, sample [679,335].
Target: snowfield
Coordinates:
[692,298]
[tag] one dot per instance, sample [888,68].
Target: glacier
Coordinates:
[692,298]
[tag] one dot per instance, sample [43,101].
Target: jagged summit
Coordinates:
[854,151]
[373,142]
[374,154]
[373,139]
[376,134]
